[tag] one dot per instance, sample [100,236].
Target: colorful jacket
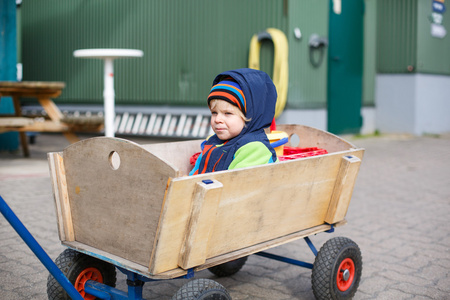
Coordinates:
[251,147]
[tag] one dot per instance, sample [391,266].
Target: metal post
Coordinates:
[285,259]
[109,97]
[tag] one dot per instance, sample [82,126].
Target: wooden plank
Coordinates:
[71,137]
[44,126]
[15,121]
[56,194]
[116,208]
[52,110]
[214,261]
[31,88]
[121,262]
[343,189]
[312,137]
[176,153]
[205,203]
[62,204]
[177,272]
[258,204]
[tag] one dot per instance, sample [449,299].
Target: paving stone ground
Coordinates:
[398,216]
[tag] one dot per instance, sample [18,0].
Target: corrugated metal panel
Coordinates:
[433,53]
[396,35]
[185,44]
[307,84]
[370,40]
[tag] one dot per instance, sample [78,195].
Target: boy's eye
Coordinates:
[214,113]
[228,113]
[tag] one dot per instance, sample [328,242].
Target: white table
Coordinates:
[108,55]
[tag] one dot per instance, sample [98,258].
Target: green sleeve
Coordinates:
[251,154]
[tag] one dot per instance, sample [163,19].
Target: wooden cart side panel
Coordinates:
[343,189]
[312,137]
[174,273]
[116,207]
[62,205]
[171,231]
[177,153]
[205,204]
[272,202]
[217,260]
[257,204]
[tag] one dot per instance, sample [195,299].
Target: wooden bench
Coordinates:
[56,122]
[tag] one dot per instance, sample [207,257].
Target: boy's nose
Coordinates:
[218,118]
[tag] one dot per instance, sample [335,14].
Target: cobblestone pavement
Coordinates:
[398,217]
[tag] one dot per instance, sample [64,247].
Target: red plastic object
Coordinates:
[193,158]
[290,153]
[85,275]
[273,126]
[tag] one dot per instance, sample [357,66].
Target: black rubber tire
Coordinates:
[202,289]
[72,263]
[228,268]
[326,268]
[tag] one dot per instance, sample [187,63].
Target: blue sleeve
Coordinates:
[197,163]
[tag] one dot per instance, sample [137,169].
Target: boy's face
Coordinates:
[225,120]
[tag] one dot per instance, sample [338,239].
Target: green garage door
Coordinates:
[345,60]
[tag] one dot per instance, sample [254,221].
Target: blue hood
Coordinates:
[260,94]
[261,97]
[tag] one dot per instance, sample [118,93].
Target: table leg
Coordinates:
[108,95]
[51,109]
[22,135]
[56,115]
[71,137]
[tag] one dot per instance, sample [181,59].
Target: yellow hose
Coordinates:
[280,75]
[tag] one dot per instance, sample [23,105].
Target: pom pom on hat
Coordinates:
[229,90]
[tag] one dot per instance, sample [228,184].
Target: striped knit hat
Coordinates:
[229,90]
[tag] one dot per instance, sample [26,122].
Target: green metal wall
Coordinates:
[433,54]
[396,35]
[307,84]
[185,44]
[404,38]
[369,57]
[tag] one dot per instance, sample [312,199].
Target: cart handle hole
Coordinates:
[114,160]
[294,140]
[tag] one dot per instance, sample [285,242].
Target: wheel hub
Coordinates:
[345,274]
[85,275]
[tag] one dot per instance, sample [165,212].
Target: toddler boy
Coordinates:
[242,104]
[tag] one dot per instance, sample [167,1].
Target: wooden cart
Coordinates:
[134,207]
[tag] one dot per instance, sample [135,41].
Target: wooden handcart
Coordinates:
[130,206]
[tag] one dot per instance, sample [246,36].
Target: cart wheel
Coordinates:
[202,289]
[79,268]
[337,269]
[228,268]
